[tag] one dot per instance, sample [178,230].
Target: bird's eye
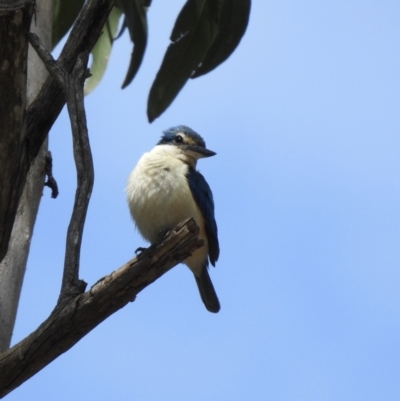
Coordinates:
[178,139]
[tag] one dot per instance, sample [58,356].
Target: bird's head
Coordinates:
[190,144]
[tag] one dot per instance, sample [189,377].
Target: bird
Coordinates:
[165,188]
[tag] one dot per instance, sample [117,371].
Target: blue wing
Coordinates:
[202,194]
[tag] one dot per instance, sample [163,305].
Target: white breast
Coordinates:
[159,198]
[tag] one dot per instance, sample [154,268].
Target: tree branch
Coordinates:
[72,86]
[50,101]
[45,109]
[73,319]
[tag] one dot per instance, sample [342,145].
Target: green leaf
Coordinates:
[136,22]
[194,31]
[64,15]
[232,24]
[102,49]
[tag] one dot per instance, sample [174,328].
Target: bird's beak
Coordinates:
[197,152]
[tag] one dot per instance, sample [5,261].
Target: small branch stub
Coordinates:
[50,182]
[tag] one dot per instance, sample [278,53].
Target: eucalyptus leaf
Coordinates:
[136,22]
[64,15]
[102,49]
[232,24]
[194,31]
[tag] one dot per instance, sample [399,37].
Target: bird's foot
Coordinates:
[162,234]
[139,250]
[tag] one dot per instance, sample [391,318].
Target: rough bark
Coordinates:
[72,86]
[73,319]
[15,19]
[13,266]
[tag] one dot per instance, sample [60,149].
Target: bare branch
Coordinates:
[48,104]
[45,109]
[54,69]
[72,86]
[77,316]
[85,177]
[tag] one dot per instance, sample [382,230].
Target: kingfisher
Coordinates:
[165,188]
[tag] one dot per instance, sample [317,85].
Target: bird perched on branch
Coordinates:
[165,188]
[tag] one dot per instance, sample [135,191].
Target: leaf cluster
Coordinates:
[205,34]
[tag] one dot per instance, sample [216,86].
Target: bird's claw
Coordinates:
[139,250]
[162,234]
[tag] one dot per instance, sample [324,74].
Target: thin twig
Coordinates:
[85,177]
[57,72]
[72,86]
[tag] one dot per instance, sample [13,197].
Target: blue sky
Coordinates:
[305,121]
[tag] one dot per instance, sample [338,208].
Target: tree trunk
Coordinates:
[15,18]
[12,268]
